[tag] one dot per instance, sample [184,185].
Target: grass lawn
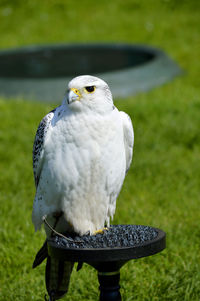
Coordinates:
[162,188]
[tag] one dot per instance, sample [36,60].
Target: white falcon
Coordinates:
[82,151]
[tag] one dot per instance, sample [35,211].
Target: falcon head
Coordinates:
[89,92]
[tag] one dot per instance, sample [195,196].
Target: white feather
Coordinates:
[128,138]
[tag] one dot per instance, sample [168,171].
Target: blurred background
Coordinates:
[162,188]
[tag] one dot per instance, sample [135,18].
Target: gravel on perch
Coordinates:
[116,236]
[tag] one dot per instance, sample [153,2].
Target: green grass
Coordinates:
[162,188]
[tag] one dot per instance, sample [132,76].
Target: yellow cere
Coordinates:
[76,91]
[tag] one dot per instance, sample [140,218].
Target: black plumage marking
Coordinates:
[39,141]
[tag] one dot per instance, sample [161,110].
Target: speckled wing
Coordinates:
[128,138]
[38,146]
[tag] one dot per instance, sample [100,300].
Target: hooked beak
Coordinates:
[73,95]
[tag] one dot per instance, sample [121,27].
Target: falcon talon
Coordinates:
[100,231]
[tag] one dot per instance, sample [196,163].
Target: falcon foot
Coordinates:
[100,231]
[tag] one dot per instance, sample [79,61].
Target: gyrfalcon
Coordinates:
[81,154]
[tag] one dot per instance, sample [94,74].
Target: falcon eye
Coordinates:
[90,89]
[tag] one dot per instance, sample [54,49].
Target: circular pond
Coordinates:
[43,72]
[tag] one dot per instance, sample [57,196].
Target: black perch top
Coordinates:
[118,243]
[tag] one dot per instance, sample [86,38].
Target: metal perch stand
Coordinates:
[108,252]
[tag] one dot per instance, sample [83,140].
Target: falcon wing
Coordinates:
[128,138]
[38,146]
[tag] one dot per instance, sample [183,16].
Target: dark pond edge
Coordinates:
[123,83]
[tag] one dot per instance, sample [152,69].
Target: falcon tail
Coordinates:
[41,255]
